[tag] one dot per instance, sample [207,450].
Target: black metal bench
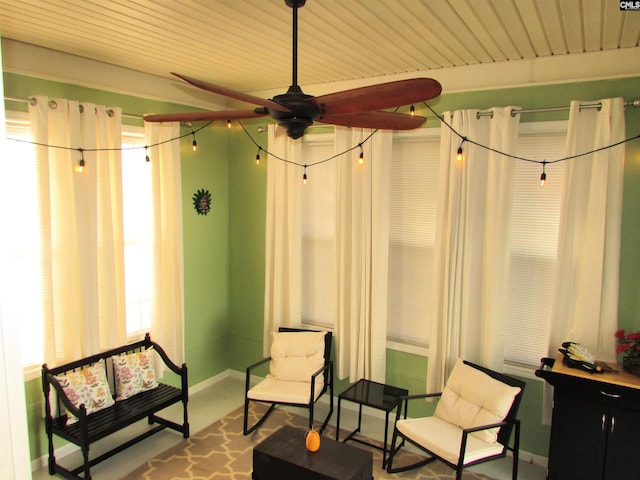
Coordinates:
[92,427]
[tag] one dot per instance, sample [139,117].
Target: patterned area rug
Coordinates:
[221,451]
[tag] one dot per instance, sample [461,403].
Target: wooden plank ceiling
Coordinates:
[246,44]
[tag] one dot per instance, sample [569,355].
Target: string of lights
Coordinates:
[459,156]
[81,150]
[544,163]
[460,151]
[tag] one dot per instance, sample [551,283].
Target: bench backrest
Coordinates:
[49,373]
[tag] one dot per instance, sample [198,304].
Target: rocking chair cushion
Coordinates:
[472,398]
[296,356]
[443,439]
[279,391]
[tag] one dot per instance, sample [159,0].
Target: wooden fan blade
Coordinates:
[227,92]
[378,97]
[381,120]
[202,116]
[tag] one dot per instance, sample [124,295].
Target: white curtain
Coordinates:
[472,242]
[362,225]
[283,243]
[585,304]
[167,304]
[14,459]
[82,243]
[362,251]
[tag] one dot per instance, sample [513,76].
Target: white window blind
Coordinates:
[414,184]
[534,240]
[318,232]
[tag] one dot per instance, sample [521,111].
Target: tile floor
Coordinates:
[209,404]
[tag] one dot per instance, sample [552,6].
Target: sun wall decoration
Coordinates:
[202,201]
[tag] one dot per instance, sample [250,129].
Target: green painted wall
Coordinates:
[224,251]
[247,194]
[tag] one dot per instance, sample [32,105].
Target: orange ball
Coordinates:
[312,440]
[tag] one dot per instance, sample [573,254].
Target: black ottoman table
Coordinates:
[284,456]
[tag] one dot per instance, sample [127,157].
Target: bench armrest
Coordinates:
[80,412]
[168,362]
[181,371]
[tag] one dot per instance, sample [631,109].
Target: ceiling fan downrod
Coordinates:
[301,113]
[295,5]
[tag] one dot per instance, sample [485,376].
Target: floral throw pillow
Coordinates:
[134,373]
[87,386]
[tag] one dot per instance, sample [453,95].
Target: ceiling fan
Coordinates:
[295,111]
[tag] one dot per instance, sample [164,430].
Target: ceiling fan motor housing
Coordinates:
[295,3]
[301,115]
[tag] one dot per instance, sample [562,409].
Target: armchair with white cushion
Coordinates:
[472,422]
[300,372]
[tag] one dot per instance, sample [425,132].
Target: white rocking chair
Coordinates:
[472,423]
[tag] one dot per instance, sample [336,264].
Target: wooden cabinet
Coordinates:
[595,429]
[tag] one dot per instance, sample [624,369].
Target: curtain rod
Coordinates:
[630,103]
[31,100]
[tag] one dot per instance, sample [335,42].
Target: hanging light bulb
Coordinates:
[258,156]
[81,163]
[194,144]
[304,175]
[543,176]
[412,110]
[460,154]
[361,159]
[229,123]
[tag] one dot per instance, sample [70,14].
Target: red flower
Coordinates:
[623,347]
[629,345]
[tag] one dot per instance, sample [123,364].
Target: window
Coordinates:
[414,185]
[318,233]
[138,227]
[414,190]
[534,241]
[22,273]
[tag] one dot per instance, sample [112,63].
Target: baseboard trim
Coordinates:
[538,460]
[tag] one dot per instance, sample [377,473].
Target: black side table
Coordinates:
[374,395]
